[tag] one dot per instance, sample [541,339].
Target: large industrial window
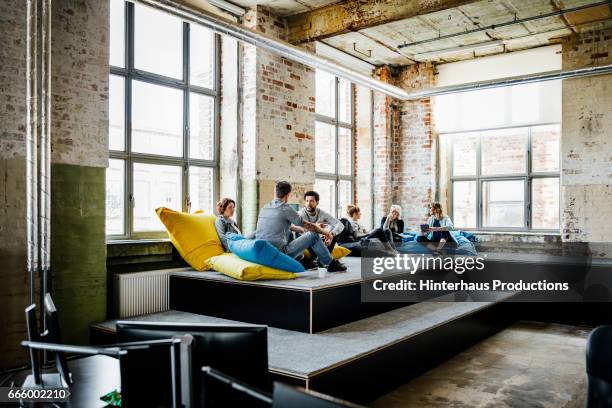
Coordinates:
[504,147]
[163,119]
[333,143]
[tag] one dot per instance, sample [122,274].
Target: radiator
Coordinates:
[141,293]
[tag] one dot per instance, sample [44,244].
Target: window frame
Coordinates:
[527,177]
[129,73]
[336,177]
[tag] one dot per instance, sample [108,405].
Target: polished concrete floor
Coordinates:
[529,364]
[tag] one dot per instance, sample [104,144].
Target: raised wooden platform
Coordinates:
[308,304]
[360,361]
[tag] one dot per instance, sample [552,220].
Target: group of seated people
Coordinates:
[314,229]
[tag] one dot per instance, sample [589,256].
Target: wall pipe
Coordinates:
[510,81]
[32,264]
[264,41]
[44,166]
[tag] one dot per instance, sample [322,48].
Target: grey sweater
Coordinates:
[223,226]
[274,223]
[321,216]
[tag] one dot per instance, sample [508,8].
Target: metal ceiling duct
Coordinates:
[264,41]
[246,35]
[510,81]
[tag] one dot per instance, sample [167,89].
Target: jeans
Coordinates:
[309,240]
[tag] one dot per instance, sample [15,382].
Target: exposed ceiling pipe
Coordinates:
[264,41]
[229,7]
[507,23]
[509,81]
[31,145]
[246,35]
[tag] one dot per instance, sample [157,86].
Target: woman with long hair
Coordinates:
[438,226]
[224,223]
[393,224]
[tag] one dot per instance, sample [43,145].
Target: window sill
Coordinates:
[136,241]
[531,233]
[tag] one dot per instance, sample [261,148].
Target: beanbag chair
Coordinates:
[262,252]
[231,265]
[193,235]
[337,253]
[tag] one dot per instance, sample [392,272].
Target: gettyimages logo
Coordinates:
[413,263]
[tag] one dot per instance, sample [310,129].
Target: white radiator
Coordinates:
[141,293]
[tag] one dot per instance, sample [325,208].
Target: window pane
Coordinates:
[344,197]
[158,42]
[483,109]
[327,194]
[545,148]
[157,119]
[201,189]
[201,126]
[201,64]
[116,113]
[325,94]
[464,154]
[504,151]
[325,161]
[525,103]
[545,203]
[155,186]
[503,203]
[464,204]
[115,197]
[344,151]
[117,33]
[344,101]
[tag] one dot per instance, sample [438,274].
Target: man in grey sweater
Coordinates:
[277,220]
[312,213]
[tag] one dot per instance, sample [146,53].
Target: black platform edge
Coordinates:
[303,310]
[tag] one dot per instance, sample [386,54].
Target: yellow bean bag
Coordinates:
[193,235]
[231,265]
[337,253]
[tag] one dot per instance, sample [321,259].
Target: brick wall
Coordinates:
[404,147]
[14,288]
[586,157]
[278,119]
[413,146]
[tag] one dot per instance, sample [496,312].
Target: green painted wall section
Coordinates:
[78,248]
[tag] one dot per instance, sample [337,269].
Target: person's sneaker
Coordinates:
[310,264]
[336,266]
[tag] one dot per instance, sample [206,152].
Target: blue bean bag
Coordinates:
[262,252]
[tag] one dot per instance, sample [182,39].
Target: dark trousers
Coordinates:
[423,238]
[383,236]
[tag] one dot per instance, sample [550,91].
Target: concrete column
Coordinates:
[586,163]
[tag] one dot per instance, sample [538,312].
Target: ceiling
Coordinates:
[393,42]
[384,44]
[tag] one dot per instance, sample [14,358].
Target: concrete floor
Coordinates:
[530,364]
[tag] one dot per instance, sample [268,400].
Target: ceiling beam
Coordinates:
[354,15]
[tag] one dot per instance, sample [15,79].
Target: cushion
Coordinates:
[193,235]
[337,253]
[231,265]
[262,252]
